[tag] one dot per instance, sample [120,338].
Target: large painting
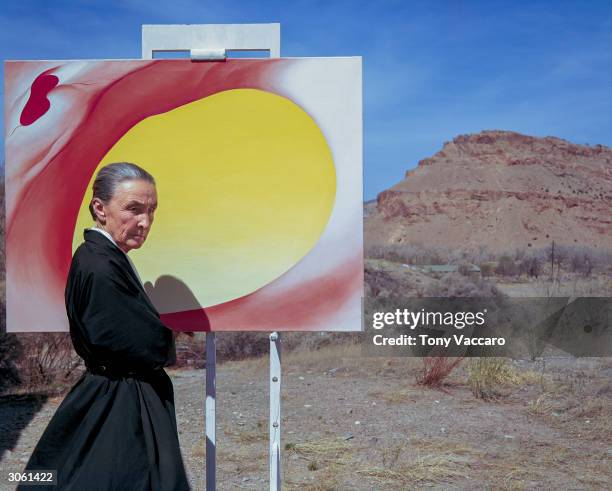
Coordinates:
[258,165]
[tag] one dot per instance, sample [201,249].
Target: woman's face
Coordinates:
[128,216]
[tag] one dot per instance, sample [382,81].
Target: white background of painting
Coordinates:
[330,91]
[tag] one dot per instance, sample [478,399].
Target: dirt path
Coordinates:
[352,423]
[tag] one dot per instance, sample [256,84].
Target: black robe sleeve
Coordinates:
[112,322]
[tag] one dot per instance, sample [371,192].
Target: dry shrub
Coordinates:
[506,267]
[455,285]
[581,263]
[415,254]
[48,362]
[487,268]
[464,268]
[488,376]
[534,263]
[235,346]
[241,345]
[10,352]
[378,283]
[579,259]
[436,369]
[189,350]
[530,266]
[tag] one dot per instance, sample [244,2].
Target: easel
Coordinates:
[210,42]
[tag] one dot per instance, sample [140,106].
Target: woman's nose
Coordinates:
[145,220]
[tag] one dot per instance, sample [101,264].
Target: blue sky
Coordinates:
[432,69]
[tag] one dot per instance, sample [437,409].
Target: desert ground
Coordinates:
[357,423]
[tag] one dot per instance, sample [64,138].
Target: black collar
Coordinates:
[100,239]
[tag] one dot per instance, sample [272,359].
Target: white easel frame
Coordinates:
[210,42]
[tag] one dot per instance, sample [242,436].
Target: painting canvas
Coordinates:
[258,165]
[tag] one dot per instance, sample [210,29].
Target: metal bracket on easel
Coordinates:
[210,42]
[208,54]
[215,38]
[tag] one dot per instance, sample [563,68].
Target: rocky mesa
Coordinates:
[500,190]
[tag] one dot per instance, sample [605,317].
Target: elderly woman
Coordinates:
[116,429]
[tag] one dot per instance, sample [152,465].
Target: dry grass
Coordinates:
[542,462]
[332,451]
[444,446]
[401,396]
[516,471]
[198,450]
[328,480]
[327,459]
[591,407]
[541,405]
[579,402]
[328,357]
[242,462]
[420,463]
[344,360]
[424,469]
[325,358]
[532,377]
[488,377]
[248,436]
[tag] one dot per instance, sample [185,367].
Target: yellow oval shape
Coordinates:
[246,185]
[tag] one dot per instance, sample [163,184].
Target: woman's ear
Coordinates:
[98,209]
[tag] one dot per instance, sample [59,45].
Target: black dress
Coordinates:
[116,429]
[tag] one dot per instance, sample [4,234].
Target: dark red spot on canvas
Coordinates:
[38,104]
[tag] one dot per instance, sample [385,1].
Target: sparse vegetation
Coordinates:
[454,285]
[530,266]
[488,377]
[506,267]
[10,354]
[401,468]
[39,362]
[527,262]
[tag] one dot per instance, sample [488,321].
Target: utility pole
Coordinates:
[552,262]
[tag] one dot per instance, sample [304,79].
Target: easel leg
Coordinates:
[211,394]
[275,411]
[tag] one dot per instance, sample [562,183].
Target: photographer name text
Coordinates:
[431,320]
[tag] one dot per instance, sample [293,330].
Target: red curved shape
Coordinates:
[308,305]
[38,103]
